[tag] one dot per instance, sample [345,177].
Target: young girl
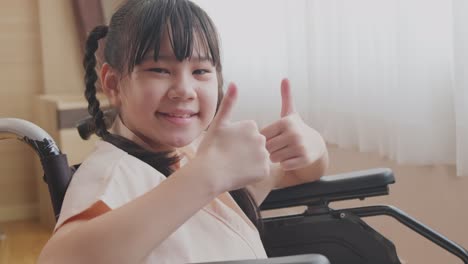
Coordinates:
[175,180]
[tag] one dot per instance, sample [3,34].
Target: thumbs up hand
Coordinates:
[232,154]
[290,141]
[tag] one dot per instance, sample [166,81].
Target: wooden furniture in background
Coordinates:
[21,80]
[88,14]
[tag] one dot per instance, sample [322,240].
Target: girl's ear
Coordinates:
[110,85]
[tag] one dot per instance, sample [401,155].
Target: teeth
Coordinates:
[179,116]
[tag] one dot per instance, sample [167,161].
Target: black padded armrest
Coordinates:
[353,185]
[298,259]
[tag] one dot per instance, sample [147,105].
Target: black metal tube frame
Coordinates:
[411,223]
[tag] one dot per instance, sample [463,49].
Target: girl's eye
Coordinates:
[159,70]
[201,72]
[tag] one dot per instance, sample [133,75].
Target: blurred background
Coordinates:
[384,81]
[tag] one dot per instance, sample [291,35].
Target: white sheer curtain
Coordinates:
[460,13]
[384,76]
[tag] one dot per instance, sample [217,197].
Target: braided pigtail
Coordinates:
[91,77]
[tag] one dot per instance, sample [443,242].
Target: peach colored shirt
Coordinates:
[219,231]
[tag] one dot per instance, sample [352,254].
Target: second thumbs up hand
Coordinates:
[299,149]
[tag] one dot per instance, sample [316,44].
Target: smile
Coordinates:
[179,119]
[178,115]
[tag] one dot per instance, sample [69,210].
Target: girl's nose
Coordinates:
[182,89]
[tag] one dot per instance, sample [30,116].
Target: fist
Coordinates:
[235,151]
[290,141]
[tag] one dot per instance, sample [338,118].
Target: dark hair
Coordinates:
[135,29]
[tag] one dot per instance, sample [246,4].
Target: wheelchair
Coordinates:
[319,235]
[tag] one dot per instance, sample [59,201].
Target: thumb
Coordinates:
[223,115]
[287,104]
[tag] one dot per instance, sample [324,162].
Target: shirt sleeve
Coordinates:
[113,180]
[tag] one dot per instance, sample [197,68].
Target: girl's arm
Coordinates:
[129,233]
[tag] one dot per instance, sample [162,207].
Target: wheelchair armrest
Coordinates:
[353,185]
[297,259]
[54,163]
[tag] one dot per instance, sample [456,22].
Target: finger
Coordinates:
[272,130]
[293,164]
[277,143]
[287,104]
[285,154]
[225,109]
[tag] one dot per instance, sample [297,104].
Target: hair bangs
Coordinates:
[173,18]
[201,39]
[147,30]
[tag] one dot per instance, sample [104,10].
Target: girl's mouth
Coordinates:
[178,118]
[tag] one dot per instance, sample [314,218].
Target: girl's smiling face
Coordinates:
[167,103]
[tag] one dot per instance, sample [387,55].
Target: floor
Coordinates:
[21,241]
